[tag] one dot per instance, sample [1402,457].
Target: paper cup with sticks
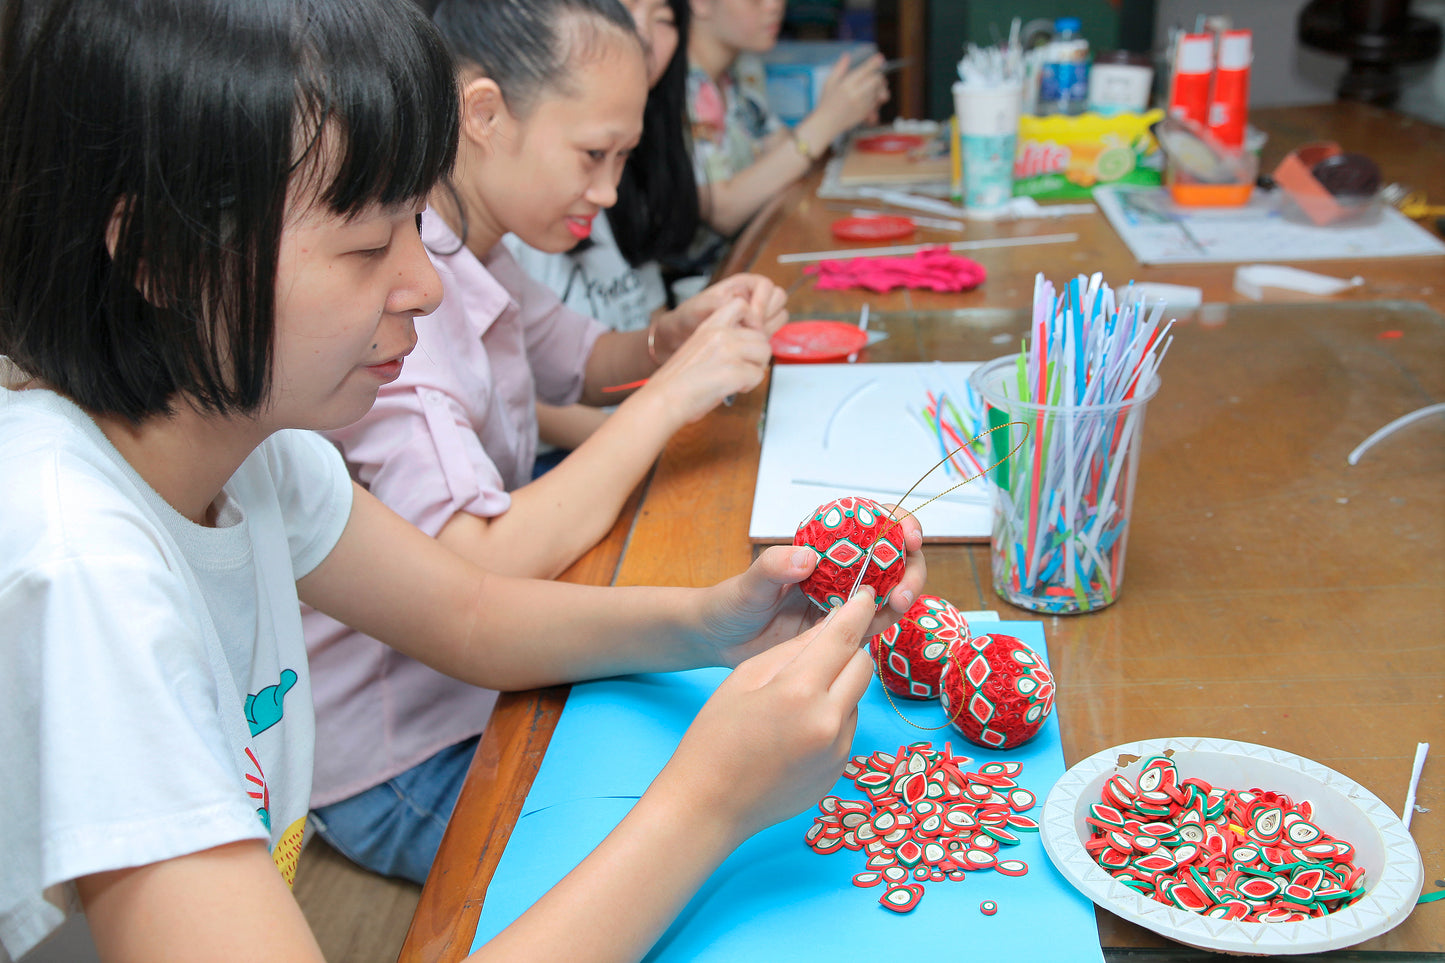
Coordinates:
[1075,399]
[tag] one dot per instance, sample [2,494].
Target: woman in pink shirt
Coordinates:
[552,101]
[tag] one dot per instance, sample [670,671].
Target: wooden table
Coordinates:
[1272,593]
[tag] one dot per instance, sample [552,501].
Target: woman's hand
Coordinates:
[756,610]
[850,96]
[723,357]
[774,736]
[766,309]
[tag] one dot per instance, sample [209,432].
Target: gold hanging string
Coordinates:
[868,558]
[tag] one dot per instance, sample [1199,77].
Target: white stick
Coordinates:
[1420,750]
[942,223]
[862,326]
[915,248]
[1394,426]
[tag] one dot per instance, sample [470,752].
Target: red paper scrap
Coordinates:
[932,269]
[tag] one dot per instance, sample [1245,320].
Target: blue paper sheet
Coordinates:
[775,899]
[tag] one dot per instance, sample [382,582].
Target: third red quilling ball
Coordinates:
[910,653]
[996,690]
[841,532]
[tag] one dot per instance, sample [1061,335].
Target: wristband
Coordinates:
[652,344]
[803,148]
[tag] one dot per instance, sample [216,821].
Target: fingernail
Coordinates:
[802,557]
[907,598]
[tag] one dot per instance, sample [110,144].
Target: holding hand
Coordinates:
[774,736]
[756,610]
[850,97]
[766,308]
[723,357]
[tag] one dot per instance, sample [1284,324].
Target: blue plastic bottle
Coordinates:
[1064,75]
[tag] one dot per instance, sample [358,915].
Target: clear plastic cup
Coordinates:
[1062,501]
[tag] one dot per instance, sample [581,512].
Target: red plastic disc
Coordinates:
[889,143]
[810,342]
[885,228]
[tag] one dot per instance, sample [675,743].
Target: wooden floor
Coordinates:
[357,916]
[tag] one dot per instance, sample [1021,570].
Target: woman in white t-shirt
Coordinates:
[215,244]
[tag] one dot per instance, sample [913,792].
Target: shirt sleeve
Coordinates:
[314,491]
[418,452]
[128,763]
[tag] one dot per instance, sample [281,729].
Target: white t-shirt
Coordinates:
[154,695]
[598,281]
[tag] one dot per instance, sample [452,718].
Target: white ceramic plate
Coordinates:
[1342,808]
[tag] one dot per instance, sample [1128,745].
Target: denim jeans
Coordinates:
[395,828]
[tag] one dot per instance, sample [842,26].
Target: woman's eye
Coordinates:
[597,155]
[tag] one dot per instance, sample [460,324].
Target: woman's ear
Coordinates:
[113,227]
[483,111]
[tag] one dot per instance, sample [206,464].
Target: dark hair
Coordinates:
[656,215]
[520,44]
[178,126]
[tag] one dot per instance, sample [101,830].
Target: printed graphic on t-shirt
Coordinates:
[621,299]
[258,790]
[264,709]
[288,850]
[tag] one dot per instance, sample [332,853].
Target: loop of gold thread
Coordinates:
[889,696]
[867,559]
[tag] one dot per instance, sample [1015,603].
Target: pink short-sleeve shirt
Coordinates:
[455,433]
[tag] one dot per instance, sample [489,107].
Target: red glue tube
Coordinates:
[1229,103]
[1189,87]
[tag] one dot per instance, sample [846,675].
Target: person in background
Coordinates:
[552,96]
[743,155]
[200,262]
[617,275]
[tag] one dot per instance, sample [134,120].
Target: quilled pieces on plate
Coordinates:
[927,817]
[1234,854]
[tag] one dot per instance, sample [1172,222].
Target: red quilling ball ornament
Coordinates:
[996,690]
[910,653]
[841,532]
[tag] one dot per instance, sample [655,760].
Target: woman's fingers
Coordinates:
[817,667]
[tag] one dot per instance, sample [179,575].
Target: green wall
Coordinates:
[952,23]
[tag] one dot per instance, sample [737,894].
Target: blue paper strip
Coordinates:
[775,899]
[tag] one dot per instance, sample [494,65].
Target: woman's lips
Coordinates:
[387,370]
[580,227]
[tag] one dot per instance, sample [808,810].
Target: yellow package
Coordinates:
[1062,156]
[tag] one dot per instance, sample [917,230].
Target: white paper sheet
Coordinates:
[855,429]
[1158,231]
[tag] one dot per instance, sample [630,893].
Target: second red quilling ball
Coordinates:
[996,690]
[841,532]
[910,653]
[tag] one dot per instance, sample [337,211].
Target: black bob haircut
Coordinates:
[171,130]
[657,213]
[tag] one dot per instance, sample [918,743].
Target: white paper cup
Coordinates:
[988,123]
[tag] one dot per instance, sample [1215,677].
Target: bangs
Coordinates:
[377,108]
[164,140]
